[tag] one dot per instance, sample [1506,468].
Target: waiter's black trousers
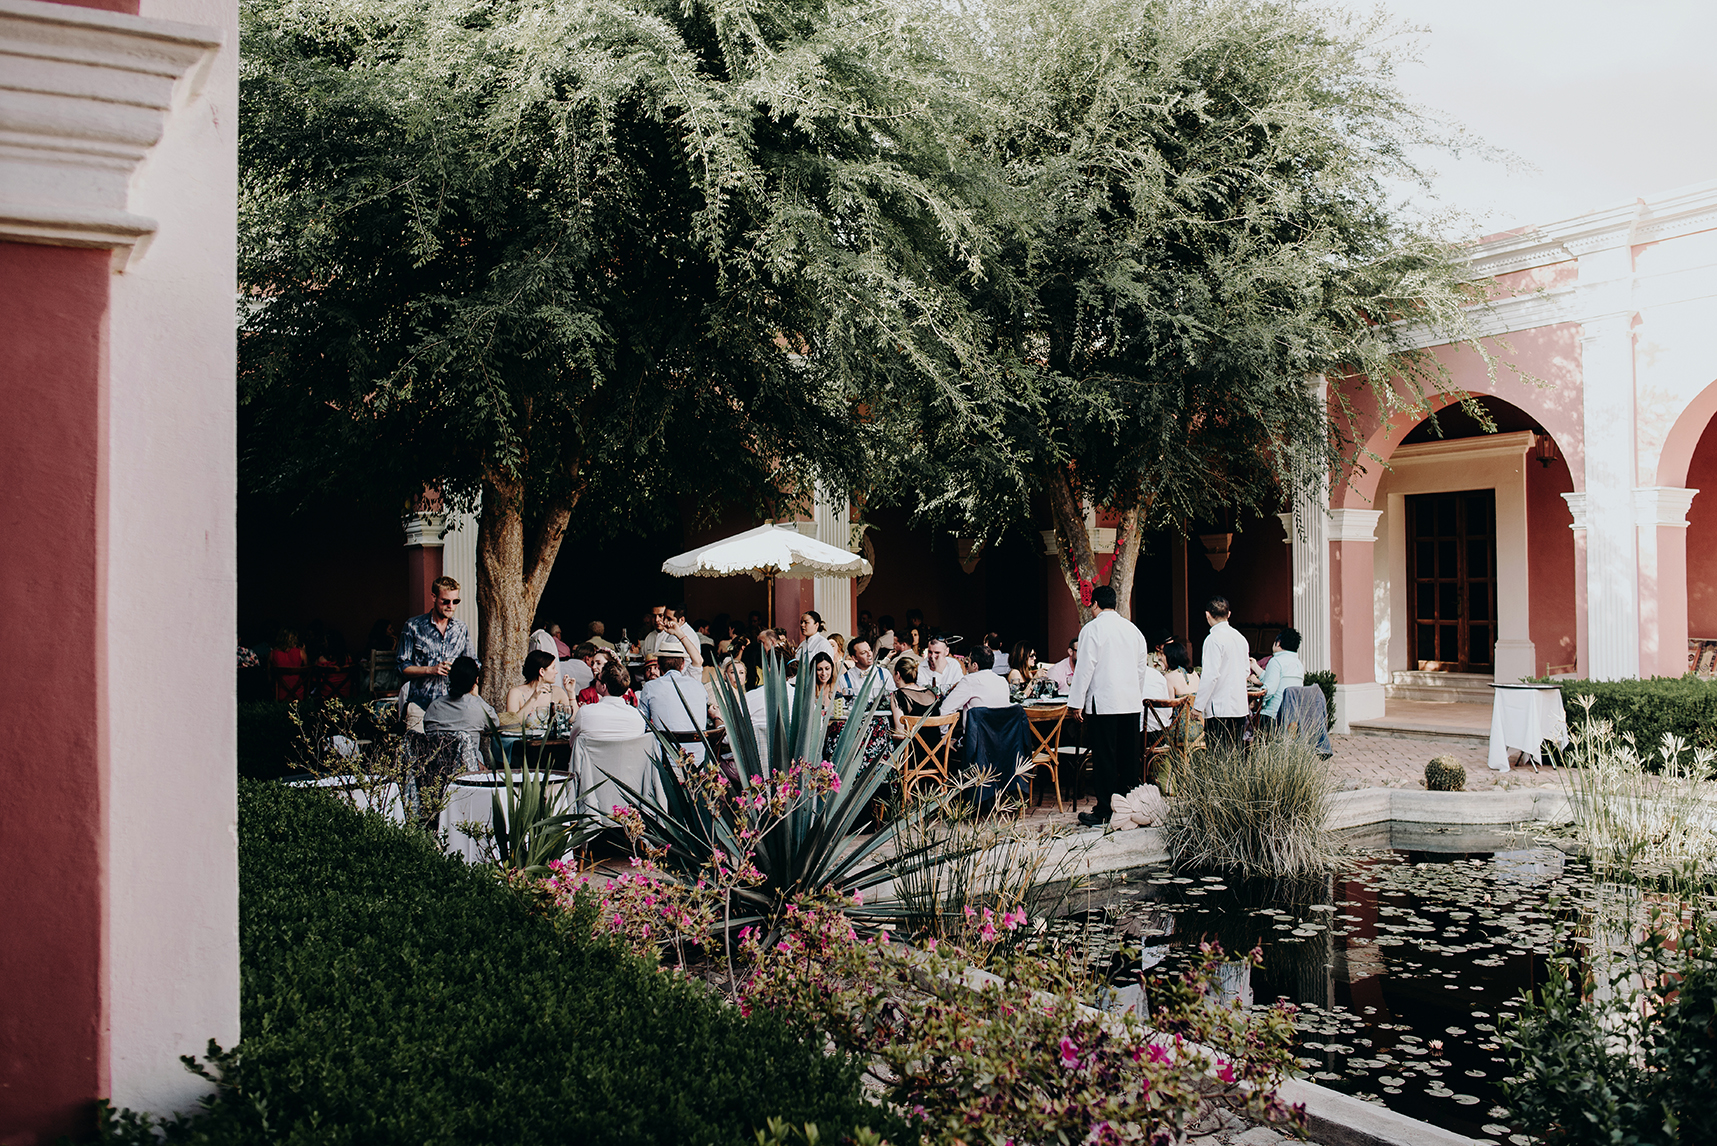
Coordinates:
[1224,731]
[1114,742]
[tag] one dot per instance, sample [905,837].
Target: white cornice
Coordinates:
[1513,445]
[1354,524]
[1682,211]
[1576,507]
[1662,505]
[426,529]
[84,95]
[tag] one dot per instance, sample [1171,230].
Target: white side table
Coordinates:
[1523,717]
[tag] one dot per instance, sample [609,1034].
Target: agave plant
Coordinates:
[535,826]
[799,821]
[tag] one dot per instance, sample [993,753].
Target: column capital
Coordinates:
[92,92]
[1354,524]
[1287,520]
[1577,507]
[424,529]
[1662,505]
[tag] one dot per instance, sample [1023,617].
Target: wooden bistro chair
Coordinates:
[1182,733]
[1045,724]
[928,759]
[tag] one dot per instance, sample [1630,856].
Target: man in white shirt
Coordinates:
[579,672]
[1061,672]
[1222,680]
[1109,683]
[653,639]
[674,622]
[981,689]
[611,718]
[676,701]
[939,670]
[864,664]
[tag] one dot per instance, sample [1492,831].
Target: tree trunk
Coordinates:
[1127,558]
[510,580]
[1078,560]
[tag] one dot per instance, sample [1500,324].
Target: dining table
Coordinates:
[1523,717]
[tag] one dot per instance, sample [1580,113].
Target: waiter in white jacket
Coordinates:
[1222,677]
[1109,683]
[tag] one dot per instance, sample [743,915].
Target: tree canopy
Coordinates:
[1193,222]
[600,255]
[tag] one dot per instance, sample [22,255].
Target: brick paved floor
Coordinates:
[1399,762]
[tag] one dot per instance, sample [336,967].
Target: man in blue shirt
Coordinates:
[428,646]
[1284,671]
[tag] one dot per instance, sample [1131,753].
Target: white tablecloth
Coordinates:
[1522,718]
[471,797]
[352,789]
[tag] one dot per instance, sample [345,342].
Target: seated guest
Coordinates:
[766,642]
[529,704]
[885,640]
[336,664]
[595,637]
[840,658]
[1181,679]
[706,642]
[866,627]
[608,716]
[908,700]
[461,710]
[1284,671]
[561,648]
[675,701]
[580,671]
[1156,688]
[939,670]
[754,704]
[864,665]
[823,673]
[287,658]
[981,688]
[542,639]
[1022,664]
[1061,672]
[993,642]
[676,623]
[596,690]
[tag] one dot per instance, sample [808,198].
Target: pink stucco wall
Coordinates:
[1702,537]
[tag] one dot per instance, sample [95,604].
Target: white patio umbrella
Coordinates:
[765,553]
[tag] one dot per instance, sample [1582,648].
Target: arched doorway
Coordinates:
[1474,565]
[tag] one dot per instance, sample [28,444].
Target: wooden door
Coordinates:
[1451,568]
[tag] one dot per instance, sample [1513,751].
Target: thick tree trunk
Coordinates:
[511,579]
[1078,560]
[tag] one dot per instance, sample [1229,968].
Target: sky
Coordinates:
[1608,100]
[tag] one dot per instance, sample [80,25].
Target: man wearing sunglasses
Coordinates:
[428,646]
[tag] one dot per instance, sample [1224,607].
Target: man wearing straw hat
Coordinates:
[676,701]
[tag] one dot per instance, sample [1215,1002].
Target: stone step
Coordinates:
[1404,730]
[1440,687]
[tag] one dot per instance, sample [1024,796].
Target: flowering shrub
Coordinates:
[968,1056]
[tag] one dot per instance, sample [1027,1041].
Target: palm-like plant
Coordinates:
[534,826]
[796,819]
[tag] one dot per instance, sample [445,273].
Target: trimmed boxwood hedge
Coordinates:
[1686,706]
[392,994]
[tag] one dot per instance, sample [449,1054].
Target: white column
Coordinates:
[1660,521]
[1360,696]
[1312,581]
[1612,568]
[1582,640]
[459,561]
[1516,655]
[833,596]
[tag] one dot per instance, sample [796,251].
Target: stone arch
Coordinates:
[1683,438]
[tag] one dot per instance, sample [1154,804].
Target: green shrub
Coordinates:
[391,994]
[1620,1045]
[1684,706]
[1445,774]
[1325,680]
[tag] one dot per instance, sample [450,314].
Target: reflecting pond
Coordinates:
[1402,961]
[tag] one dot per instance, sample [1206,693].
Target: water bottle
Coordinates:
[625,646]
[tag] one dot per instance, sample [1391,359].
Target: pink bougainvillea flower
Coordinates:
[1014,918]
[1157,1053]
[969,911]
[1225,1072]
[1069,1052]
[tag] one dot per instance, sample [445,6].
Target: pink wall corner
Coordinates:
[1352,613]
[422,567]
[1701,539]
[1551,566]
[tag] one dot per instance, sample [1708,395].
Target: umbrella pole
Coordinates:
[769,587]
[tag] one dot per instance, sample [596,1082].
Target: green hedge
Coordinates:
[392,994]
[1686,706]
[1325,680]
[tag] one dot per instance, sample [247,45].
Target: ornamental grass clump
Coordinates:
[1254,811]
[966,1056]
[1632,809]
